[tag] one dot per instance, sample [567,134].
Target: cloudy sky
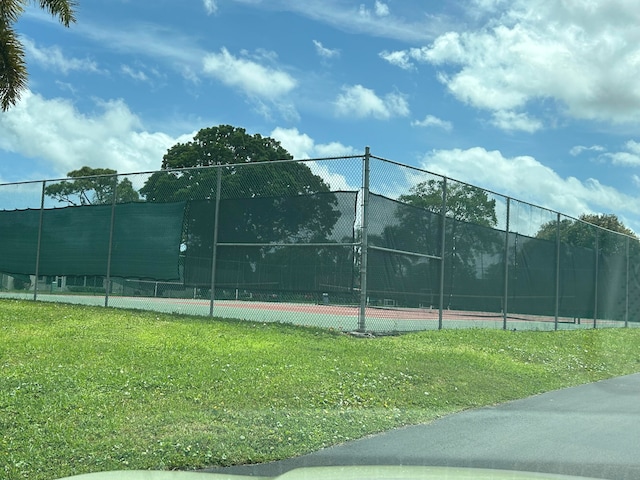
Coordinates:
[536,99]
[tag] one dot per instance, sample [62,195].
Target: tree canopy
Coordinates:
[13,69]
[92,186]
[235,148]
[582,232]
[262,200]
[464,202]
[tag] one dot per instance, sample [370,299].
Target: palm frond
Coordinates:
[13,69]
[63,9]
[10,11]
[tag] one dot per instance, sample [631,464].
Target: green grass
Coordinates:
[88,389]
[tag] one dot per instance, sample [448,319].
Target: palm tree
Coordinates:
[13,70]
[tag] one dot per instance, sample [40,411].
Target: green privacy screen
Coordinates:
[302,246]
[317,224]
[75,240]
[473,278]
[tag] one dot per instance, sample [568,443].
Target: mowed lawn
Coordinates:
[89,389]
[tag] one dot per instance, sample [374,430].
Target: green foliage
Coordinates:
[469,233]
[93,186]
[13,69]
[465,203]
[261,202]
[93,389]
[234,147]
[582,232]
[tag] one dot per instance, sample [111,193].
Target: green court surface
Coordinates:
[338,317]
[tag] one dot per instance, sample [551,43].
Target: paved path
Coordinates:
[591,430]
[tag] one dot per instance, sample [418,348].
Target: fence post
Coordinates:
[626,302]
[595,296]
[505,299]
[443,222]
[110,251]
[37,272]
[557,306]
[364,241]
[214,247]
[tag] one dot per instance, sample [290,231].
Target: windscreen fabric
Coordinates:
[474,268]
[262,225]
[19,241]
[474,264]
[75,240]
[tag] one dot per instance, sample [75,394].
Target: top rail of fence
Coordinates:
[492,192]
[319,159]
[185,169]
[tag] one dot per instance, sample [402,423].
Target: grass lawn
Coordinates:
[88,389]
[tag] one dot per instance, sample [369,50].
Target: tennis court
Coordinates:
[338,317]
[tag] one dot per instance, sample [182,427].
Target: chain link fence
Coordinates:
[357,243]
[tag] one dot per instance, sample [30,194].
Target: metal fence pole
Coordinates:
[443,222]
[37,272]
[626,301]
[110,251]
[505,300]
[364,242]
[557,306]
[214,247]
[597,273]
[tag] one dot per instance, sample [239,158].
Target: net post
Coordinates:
[505,298]
[443,223]
[110,250]
[364,241]
[38,246]
[214,247]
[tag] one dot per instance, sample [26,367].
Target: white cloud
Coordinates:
[633,146]
[144,74]
[381,9]
[135,74]
[361,19]
[55,132]
[512,121]
[210,6]
[399,59]
[625,159]
[578,149]
[302,146]
[583,55]
[431,121]
[250,77]
[525,178]
[326,53]
[360,102]
[628,158]
[52,58]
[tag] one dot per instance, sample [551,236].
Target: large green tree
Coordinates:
[13,69]
[262,200]
[236,149]
[470,212]
[416,227]
[464,202]
[582,232]
[92,186]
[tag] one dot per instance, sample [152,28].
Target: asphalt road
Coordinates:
[592,430]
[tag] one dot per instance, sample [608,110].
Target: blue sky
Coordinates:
[536,99]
